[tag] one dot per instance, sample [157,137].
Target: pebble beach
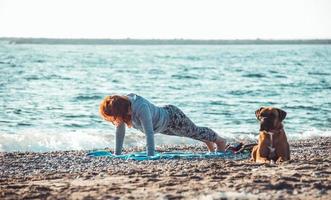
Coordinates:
[73,175]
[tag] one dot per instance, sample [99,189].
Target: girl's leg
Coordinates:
[181,125]
[210,138]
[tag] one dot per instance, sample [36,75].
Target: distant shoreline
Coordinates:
[160,41]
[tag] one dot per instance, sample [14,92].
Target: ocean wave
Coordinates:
[319,73]
[50,141]
[41,142]
[88,97]
[181,76]
[310,133]
[254,75]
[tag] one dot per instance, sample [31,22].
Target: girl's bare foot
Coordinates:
[221,144]
[210,145]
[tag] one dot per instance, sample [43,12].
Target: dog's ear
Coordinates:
[257,113]
[281,114]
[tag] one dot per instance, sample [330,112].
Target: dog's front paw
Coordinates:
[262,160]
[281,160]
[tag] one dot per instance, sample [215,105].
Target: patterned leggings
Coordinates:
[180,125]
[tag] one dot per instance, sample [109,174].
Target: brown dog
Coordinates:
[272,144]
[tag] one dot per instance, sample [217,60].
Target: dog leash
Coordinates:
[240,147]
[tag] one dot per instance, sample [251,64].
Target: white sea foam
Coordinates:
[310,133]
[37,141]
[40,141]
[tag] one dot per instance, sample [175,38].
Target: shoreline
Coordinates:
[73,175]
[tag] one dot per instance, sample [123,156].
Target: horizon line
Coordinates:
[132,41]
[129,38]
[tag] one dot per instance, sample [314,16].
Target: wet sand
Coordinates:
[72,175]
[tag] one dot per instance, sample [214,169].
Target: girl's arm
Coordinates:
[119,138]
[146,122]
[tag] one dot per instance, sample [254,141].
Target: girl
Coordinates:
[135,111]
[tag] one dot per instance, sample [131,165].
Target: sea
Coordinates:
[50,93]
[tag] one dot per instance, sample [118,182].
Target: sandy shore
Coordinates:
[72,175]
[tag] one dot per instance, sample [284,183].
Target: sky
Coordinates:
[167,19]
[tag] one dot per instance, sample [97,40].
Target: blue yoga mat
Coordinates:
[140,156]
